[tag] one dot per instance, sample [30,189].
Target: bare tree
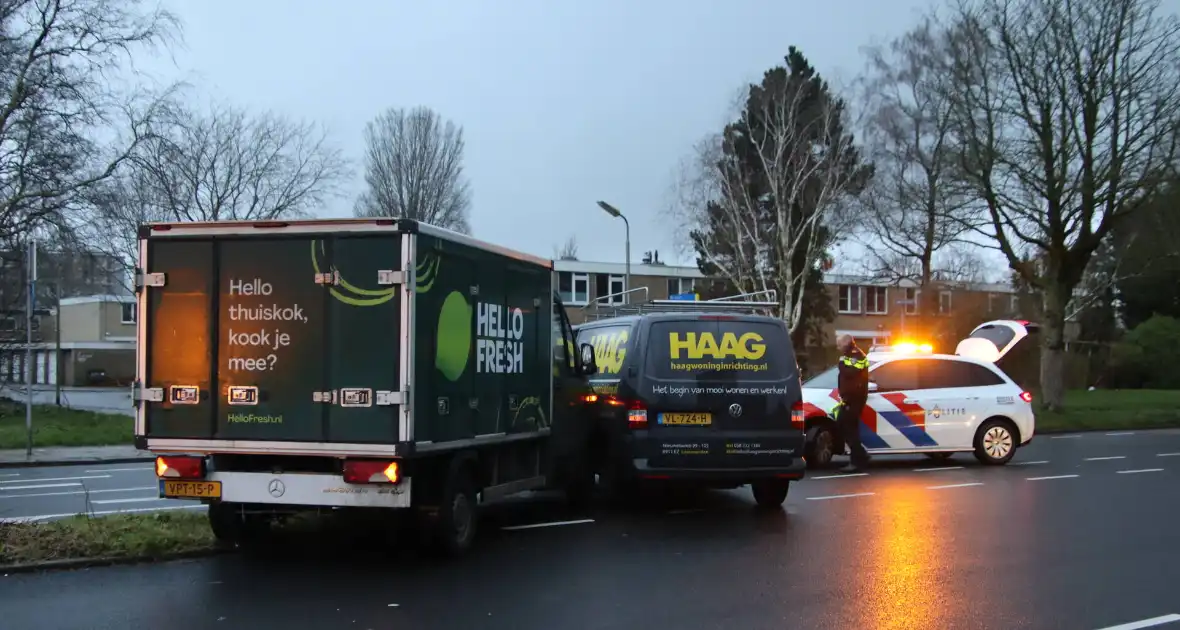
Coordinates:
[915,207]
[222,164]
[773,185]
[568,249]
[1066,112]
[58,59]
[414,169]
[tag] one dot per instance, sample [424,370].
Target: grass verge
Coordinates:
[152,535]
[1107,409]
[58,426]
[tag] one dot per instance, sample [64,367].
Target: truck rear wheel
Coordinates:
[458,515]
[234,528]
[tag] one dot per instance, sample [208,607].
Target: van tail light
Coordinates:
[636,412]
[797,414]
[1026,396]
[371,471]
[185,467]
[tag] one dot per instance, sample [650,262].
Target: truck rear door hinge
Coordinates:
[328,278]
[149,280]
[388,276]
[387,398]
[148,394]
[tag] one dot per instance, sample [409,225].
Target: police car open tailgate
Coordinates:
[274,337]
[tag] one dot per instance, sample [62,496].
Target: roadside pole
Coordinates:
[57,346]
[30,304]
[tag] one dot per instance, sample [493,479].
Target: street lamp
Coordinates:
[614,212]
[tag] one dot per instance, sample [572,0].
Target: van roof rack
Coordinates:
[622,303]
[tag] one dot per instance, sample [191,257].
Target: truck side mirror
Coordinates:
[588,364]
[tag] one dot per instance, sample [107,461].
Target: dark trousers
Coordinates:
[848,418]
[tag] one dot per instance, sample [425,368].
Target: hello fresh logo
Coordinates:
[498,334]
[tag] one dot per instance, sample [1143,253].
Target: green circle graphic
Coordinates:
[454,336]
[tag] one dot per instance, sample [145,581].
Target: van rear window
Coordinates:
[610,346]
[719,350]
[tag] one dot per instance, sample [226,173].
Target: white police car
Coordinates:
[933,404]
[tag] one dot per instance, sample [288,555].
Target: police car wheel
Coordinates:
[820,446]
[995,443]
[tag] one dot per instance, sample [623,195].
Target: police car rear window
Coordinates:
[719,350]
[1000,336]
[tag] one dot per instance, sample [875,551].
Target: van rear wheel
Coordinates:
[770,495]
[454,529]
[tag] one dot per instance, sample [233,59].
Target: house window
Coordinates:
[992,307]
[573,287]
[911,300]
[128,312]
[605,285]
[849,298]
[944,303]
[1014,304]
[876,300]
[7,324]
[677,286]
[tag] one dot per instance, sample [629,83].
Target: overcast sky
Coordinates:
[563,102]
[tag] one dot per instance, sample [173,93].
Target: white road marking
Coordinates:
[841,496]
[145,500]
[1036,463]
[1122,433]
[46,517]
[955,485]
[58,479]
[1145,623]
[686,511]
[938,468]
[1167,454]
[10,475]
[841,476]
[73,492]
[1141,470]
[553,524]
[1052,477]
[106,470]
[37,487]
[1102,459]
[1064,437]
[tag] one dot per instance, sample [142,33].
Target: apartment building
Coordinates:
[582,283]
[95,346]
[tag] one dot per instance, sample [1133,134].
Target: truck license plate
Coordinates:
[190,489]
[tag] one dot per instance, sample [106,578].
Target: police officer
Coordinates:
[853,386]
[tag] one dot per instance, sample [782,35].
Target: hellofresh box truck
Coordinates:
[352,364]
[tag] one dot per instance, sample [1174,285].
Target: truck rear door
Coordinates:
[268,336]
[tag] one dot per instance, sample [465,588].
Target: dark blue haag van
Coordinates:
[700,399]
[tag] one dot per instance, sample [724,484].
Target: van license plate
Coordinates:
[190,489]
[695,419]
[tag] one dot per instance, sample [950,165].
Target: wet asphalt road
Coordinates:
[1081,535]
[48,493]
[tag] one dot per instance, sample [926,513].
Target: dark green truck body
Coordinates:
[287,347]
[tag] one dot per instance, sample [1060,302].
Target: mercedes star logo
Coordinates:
[735,410]
[276,488]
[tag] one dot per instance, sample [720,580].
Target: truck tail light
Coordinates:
[371,471]
[1026,396]
[797,419]
[180,467]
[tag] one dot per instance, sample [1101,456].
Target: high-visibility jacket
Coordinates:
[853,383]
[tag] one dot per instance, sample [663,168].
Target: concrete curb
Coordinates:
[86,563]
[77,462]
